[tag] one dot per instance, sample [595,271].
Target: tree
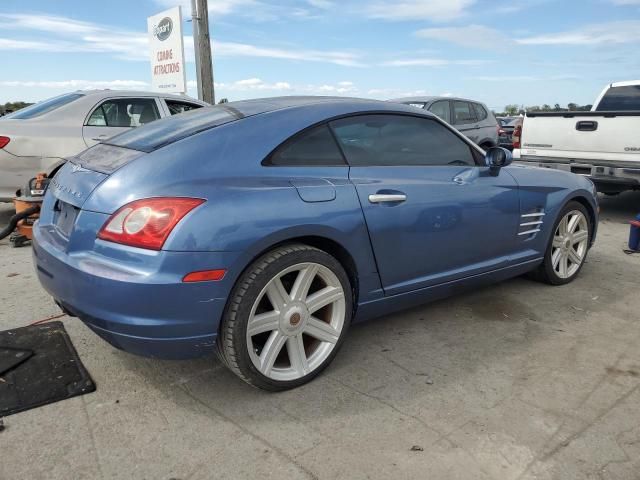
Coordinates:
[511,110]
[12,107]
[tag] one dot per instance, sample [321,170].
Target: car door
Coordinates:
[434,212]
[116,115]
[487,125]
[464,119]
[441,109]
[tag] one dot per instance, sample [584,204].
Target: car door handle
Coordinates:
[459,180]
[100,137]
[387,197]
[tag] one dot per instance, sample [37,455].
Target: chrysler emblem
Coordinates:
[75,168]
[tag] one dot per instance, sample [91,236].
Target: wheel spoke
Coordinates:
[580,236]
[264,322]
[297,355]
[563,228]
[303,282]
[277,294]
[564,265]
[575,258]
[321,330]
[323,298]
[270,351]
[555,259]
[573,223]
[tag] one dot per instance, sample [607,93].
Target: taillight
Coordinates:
[4,141]
[147,223]
[517,133]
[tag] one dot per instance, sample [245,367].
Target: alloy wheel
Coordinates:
[296,321]
[570,244]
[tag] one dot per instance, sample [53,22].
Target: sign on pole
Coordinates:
[167,51]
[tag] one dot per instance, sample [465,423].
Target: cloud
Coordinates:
[598,34]
[78,84]
[321,4]
[257,10]
[10,44]
[526,78]
[232,49]
[217,7]
[434,10]
[471,36]
[432,62]
[75,36]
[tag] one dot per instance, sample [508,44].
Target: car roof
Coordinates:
[265,105]
[172,129]
[107,93]
[430,99]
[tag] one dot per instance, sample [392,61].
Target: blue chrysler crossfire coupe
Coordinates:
[262,229]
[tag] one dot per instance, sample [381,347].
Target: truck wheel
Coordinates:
[568,246]
[286,318]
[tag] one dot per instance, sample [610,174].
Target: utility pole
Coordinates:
[202,47]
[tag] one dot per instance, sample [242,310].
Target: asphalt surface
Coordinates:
[515,381]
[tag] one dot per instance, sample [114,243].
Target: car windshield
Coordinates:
[169,130]
[45,106]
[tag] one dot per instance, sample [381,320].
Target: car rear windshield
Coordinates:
[163,132]
[45,107]
[620,99]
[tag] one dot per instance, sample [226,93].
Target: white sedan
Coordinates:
[39,138]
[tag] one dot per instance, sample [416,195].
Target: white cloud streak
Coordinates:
[78,36]
[78,84]
[610,33]
[433,10]
[432,62]
[471,36]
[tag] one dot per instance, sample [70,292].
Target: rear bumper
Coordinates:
[150,313]
[606,176]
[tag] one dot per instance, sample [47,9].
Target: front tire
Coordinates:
[568,247]
[286,318]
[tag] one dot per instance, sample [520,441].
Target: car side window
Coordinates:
[441,109]
[399,140]
[313,147]
[124,112]
[481,113]
[176,106]
[463,113]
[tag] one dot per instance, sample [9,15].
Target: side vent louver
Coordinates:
[531,223]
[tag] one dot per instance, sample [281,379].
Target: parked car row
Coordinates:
[603,144]
[505,132]
[471,118]
[40,137]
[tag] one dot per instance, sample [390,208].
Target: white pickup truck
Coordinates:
[603,144]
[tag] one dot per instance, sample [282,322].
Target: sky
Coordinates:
[528,52]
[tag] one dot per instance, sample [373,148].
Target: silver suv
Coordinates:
[473,119]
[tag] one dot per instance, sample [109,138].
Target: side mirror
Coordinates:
[497,157]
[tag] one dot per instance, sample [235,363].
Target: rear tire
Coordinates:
[568,246]
[286,318]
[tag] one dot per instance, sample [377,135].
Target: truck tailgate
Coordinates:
[602,136]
